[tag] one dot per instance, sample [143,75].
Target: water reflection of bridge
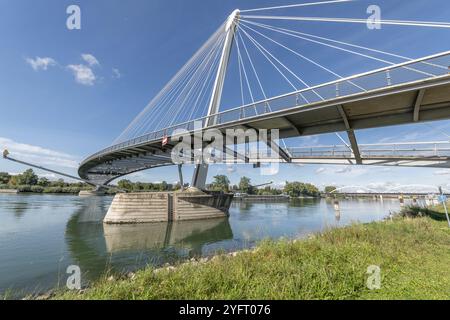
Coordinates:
[97,247]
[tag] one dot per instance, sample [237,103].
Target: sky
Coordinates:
[66,94]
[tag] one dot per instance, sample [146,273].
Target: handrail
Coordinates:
[156,134]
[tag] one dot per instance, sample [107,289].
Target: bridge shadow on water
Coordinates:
[98,247]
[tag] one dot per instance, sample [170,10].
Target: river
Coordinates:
[41,235]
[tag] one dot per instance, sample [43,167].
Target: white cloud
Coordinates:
[320,170]
[343,170]
[83,74]
[308,141]
[90,59]
[38,154]
[41,63]
[116,73]
[442,172]
[231,168]
[351,171]
[278,184]
[49,176]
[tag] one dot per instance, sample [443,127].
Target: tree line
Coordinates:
[293,189]
[148,187]
[28,181]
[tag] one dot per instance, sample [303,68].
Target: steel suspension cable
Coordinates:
[305,58]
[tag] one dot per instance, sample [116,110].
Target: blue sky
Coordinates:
[89,84]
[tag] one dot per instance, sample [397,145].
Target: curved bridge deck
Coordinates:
[415,91]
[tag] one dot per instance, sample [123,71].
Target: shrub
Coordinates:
[24,188]
[53,190]
[37,189]
[417,212]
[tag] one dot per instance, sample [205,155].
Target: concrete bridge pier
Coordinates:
[148,207]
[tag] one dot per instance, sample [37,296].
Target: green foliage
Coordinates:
[245,186]
[13,181]
[30,182]
[4,177]
[330,189]
[418,212]
[145,187]
[125,185]
[28,178]
[269,191]
[297,189]
[23,188]
[40,189]
[37,189]
[43,182]
[411,253]
[59,183]
[221,183]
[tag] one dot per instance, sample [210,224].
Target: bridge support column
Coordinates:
[201,170]
[200,175]
[351,135]
[180,174]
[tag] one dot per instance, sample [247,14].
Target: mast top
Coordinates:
[233,19]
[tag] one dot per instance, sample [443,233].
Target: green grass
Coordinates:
[413,254]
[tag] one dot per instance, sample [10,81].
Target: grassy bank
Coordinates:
[413,254]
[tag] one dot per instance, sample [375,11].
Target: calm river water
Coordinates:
[41,235]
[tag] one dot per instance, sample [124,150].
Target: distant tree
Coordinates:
[267,191]
[60,183]
[138,186]
[4,177]
[43,182]
[330,189]
[177,186]
[221,183]
[28,178]
[125,185]
[245,186]
[13,181]
[163,186]
[297,189]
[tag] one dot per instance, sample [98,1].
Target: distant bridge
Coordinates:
[417,90]
[384,195]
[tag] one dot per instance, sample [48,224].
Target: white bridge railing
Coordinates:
[386,150]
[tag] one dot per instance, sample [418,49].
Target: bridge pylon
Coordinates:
[201,169]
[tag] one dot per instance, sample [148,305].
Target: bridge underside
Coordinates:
[420,101]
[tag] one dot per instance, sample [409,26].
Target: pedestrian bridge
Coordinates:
[413,91]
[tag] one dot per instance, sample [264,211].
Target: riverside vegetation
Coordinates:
[412,251]
[29,182]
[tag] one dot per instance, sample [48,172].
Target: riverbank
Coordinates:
[412,253]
